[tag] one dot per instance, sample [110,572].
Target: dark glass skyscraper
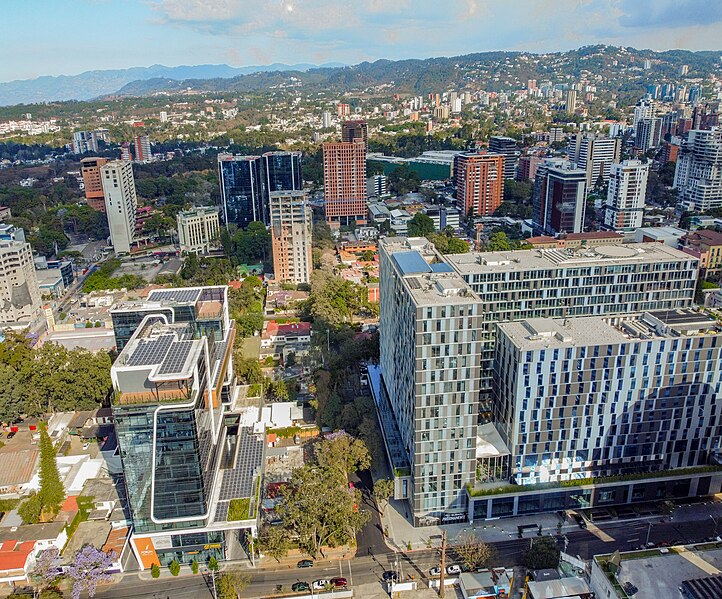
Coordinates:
[242,196]
[281,172]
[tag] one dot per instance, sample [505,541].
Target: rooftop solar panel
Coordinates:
[181,296]
[411,263]
[238,482]
[176,357]
[150,351]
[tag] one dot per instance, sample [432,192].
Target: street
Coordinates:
[365,568]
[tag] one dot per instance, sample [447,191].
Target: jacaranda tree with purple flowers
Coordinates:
[47,566]
[89,568]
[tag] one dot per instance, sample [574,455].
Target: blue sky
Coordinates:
[52,37]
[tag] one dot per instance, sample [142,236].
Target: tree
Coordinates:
[248,370]
[230,584]
[420,225]
[194,567]
[213,564]
[155,571]
[51,593]
[89,568]
[30,509]
[403,180]
[498,242]
[274,542]
[472,551]
[383,490]
[47,566]
[342,454]
[447,243]
[322,238]
[51,492]
[367,255]
[542,553]
[174,568]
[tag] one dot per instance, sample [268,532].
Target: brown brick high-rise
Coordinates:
[355,130]
[479,183]
[90,169]
[344,181]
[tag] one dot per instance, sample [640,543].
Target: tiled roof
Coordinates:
[13,555]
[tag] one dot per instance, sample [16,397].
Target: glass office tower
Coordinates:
[242,197]
[282,172]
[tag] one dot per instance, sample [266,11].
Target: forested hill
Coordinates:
[609,67]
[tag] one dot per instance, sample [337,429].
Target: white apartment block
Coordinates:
[698,175]
[199,230]
[624,208]
[19,292]
[121,203]
[604,396]
[291,236]
[595,155]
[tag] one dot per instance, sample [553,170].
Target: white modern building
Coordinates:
[698,175]
[121,203]
[624,208]
[595,155]
[291,236]
[199,230]
[19,292]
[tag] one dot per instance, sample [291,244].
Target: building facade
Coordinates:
[595,155]
[199,230]
[93,182]
[560,199]
[344,182]
[281,172]
[141,149]
[479,183]
[242,198]
[506,146]
[291,236]
[121,203]
[648,134]
[19,292]
[624,207]
[172,382]
[355,130]
[84,141]
[698,175]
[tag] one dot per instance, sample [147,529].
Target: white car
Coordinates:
[86,445]
[435,572]
[320,585]
[453,569]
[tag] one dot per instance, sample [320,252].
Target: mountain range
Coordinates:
[92,84]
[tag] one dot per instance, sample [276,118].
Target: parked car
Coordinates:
[339,582]
[297,587]
[86,445]
[305,563]
[453,569]
[11,435]
[435,572]
[390,576]
[580,521]
[320,585]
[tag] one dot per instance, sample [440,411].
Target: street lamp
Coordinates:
[649,530]
[716,523]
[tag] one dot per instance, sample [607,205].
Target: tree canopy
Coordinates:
[420,225]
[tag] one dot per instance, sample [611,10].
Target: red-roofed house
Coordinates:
[16,561]
[279,340]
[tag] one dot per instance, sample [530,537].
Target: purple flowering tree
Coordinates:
[89,568]
[47,566]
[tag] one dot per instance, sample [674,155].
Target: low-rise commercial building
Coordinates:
[199,230]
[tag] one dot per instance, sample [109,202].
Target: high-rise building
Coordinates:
[19,292]
[355,130]
[125,152]
[560,198]
[526,168]
[376,186]
[343,110]
[506,146]
[141,149]
[648,134]
[121,203]
[570,102]
[698,175]
[242,198]
[182,466]
[644,109]
[344,182]
[684,70]
[430,359]
[84,141]
[326,119]
[624,207]
[596,397]
[291,236]
[163,116]
[595,155]
[92,181]
[199,230]
[281,172]
[479,183]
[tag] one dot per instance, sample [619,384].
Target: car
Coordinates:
[297,587]
[305,563]
[453,569]
[86,445]
[339,582]
[390,576]
[435,572]
[580,521]
[11,435]
[321,584]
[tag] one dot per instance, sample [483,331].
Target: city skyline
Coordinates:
[172,32]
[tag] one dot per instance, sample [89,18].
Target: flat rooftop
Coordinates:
[544,259]
[542,333]
[442,289]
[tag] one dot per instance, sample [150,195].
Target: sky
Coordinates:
[54,37]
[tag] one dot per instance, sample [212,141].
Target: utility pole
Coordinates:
[442,587]
[649,530]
